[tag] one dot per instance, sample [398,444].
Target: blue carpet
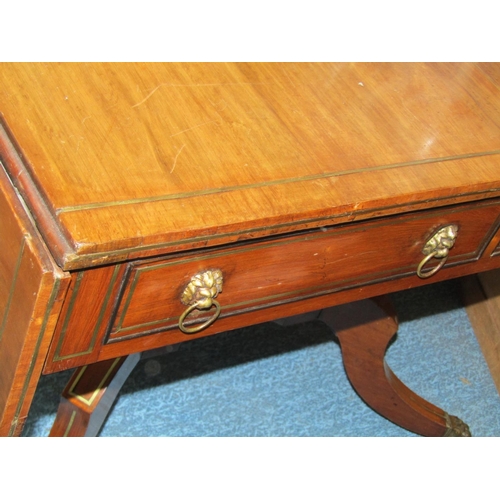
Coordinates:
[271,380]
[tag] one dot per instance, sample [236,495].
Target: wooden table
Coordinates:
[144,205]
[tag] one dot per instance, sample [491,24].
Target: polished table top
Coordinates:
[124,160]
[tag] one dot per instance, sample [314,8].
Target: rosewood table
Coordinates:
[144,205]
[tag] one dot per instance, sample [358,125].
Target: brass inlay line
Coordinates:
[89,401]
[70,424]
[71,306]
[52,299]
[129,297]
[13,285]
[57,356]
[258,185]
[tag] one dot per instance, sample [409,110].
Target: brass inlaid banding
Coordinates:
[90,400]
[34,358]
[57,356]
[70,424]
[260,185]
[71,306]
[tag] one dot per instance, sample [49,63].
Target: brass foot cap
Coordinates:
[456,427]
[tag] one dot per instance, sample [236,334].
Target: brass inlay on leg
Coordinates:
[70,424]
[90,400]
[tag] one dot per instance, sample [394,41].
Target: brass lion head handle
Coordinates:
[200,294]
[438,246]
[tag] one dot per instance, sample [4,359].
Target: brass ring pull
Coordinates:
[438,246]
[201,327]
[434,270]
[200,294]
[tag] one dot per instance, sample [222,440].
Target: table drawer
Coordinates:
[272,272]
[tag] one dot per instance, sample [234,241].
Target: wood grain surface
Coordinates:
[124,160]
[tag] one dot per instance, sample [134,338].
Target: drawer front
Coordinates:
[273,272]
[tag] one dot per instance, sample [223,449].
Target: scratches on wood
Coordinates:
[149,95]
[192,128]
[175,159]
[196,85]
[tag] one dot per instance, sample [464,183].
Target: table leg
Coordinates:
[364,330]
[89,395]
